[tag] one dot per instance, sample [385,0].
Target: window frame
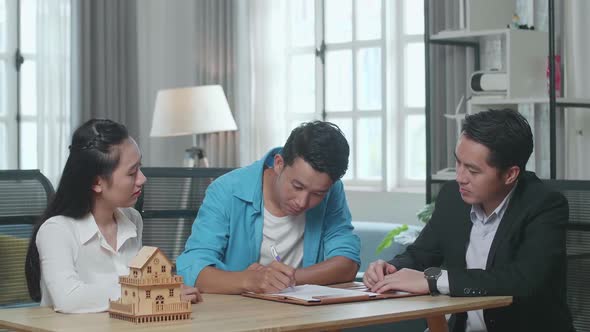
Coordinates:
[355,114]
[22,146]
[7,57]
[393,113]
[23,119]
[401,40]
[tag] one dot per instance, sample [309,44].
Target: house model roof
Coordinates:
[143,256]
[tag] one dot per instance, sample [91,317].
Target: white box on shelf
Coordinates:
[446,174]
[523,60]
[487,82]
[488,14]
[524,64]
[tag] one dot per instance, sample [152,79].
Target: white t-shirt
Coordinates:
[79,269]
[286,234]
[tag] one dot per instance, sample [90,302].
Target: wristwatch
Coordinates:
[432,274]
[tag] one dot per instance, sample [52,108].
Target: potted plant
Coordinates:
[423,215]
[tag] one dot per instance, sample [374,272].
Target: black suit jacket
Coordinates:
[527,258]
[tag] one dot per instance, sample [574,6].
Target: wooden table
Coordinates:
[220,313]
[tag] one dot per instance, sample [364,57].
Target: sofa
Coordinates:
[371,234]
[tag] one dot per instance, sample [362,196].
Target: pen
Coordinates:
[275,254]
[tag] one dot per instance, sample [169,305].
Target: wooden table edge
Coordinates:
[500,301]
[433,315]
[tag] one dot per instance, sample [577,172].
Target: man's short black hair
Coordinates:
[322,145]
[506,133]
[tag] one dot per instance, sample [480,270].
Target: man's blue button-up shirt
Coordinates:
[227,232]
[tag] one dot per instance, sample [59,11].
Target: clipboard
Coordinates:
[332,299]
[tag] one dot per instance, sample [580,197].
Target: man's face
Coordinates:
[299,187]
[479,183]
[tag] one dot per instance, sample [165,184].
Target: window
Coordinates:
[360,64]
[28,84]
[23,24]
[148,294]
[171,292]
[133,293]
[8,79]
[149,269]
[163,268]
[412,103]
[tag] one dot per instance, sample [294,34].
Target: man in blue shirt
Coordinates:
[280,221]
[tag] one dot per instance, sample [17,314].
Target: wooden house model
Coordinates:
[150,293]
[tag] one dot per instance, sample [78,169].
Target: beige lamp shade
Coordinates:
[192,110]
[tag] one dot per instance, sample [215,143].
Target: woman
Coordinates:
[90,231]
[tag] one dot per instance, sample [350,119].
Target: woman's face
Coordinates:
[124,186]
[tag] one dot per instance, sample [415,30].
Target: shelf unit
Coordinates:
[475,104]
[525,52]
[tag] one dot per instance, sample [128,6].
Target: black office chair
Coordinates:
[169,203]
[578,248]
[23,198]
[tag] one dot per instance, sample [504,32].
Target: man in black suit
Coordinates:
[497,230]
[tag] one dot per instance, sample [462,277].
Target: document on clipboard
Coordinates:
[317,295]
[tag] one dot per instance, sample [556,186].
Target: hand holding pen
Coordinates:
[275,254]
[269,279]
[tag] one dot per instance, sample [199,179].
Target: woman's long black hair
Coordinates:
[93,154]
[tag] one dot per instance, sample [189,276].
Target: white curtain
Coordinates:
[577,80]
[53,86]
[215,58]
[260,83]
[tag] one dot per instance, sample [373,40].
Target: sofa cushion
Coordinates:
[371,234]
[12,274]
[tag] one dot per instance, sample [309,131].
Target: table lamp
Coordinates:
[192,111]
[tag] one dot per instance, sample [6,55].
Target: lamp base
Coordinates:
[195,157]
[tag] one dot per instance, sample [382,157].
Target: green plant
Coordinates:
[388,239]
[424,215]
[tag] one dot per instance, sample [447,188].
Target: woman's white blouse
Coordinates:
[79,269]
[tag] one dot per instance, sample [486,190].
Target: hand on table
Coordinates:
[192,294]
[406,280]
[376,272]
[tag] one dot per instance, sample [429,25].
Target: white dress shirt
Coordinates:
[482,235]
[79,269]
